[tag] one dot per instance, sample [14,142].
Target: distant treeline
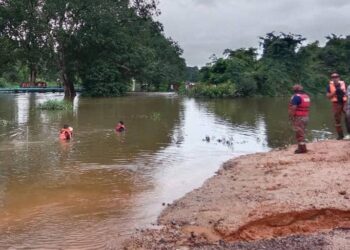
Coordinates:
[101,45]
[285,61]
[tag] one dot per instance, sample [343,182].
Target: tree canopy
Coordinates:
[101,44]
[284,60]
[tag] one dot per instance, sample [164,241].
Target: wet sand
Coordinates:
[275,200]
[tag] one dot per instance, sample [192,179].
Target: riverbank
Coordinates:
[273,200]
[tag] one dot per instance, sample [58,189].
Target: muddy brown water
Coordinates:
[95,190]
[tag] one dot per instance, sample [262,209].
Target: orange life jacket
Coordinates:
[65,134]
[333,90]
[303,109]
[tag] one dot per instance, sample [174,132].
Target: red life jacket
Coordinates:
[303,109]
[120,128]
[65,134]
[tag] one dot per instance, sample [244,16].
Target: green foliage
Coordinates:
[192,74]
[56,105]
[285,61]
[101,44]
[163,88]
[102,80]
[3,83]
[213,91]
[247,85]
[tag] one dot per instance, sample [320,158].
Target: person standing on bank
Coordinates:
[336,92]
[299,110]
[348,109]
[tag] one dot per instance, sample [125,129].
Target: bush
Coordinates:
[213,91]
[247,86]
[103,80]
[163,88]
[56,105]
[3,83]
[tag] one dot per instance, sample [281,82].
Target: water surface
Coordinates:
[93,191]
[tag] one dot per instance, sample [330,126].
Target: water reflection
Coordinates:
[273,112]
[98,187]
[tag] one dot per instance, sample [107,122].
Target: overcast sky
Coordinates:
[205,27]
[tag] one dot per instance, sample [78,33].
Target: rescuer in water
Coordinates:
[299,109]
[336,92]
[66,133]
[120,127]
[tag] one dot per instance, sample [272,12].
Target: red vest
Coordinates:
[65,134]
[120,128]
[303,109]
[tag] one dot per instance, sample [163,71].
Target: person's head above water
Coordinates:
[65,126]
[121,122]
[297,88]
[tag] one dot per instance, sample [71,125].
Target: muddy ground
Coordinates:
[275,200]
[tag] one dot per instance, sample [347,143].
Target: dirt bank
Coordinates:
[263,200]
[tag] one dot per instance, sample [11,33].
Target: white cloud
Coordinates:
[204,27]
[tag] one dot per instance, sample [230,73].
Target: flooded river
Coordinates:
[95,190]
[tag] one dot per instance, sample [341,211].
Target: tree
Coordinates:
[85,40]
[192,74]
[22,23]
[285,61]
[280,66]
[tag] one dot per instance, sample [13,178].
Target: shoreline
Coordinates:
[262,200]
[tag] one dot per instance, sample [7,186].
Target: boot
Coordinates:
[301,149]
[340,136]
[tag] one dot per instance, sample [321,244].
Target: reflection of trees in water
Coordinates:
[89,167]
[247,112]
[239,112]
[279,128]
[150,122]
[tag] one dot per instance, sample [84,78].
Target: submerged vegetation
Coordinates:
[285,60]
[56,105]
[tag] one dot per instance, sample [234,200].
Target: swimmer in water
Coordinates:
[66,133]
[120,127]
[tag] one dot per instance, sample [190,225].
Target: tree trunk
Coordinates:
[33,73]
[69,90]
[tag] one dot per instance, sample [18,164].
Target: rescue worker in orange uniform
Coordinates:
[336,92]
[66,133]
[299,109]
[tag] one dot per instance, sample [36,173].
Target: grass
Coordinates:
[56,105]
